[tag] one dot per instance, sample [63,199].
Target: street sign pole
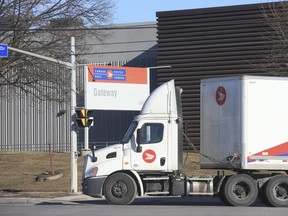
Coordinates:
[67,64]
[72,66]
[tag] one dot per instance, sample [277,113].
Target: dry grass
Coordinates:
[20,169]
[191,165]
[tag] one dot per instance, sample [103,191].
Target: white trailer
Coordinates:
[236,120]
[244,121]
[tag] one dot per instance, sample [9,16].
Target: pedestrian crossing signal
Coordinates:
[84,118]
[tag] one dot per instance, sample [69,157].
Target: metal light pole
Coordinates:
[74,154]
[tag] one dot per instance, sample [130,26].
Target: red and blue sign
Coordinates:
[113,74]
[109,74]
[115,88]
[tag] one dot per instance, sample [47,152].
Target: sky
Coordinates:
[134,11]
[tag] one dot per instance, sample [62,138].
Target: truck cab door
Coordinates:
[149,150]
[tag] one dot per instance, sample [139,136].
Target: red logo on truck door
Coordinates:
[221,95]
[149,156]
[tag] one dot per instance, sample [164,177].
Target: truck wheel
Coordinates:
[276,191]
[120,189]
[262,194]
[221,194]
[240,190]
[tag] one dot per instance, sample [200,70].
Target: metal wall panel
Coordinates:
[28,124]
[124,42]
[203,43]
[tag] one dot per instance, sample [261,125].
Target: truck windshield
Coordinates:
[129,132]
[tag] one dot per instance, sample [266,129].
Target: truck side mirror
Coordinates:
[139,148]
[138,140]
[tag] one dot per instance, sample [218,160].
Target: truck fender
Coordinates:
[139,182]
[218,180]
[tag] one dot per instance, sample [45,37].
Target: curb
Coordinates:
[44,195]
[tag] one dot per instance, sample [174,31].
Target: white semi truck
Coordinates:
[244,128]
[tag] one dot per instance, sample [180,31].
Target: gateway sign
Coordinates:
[116,88]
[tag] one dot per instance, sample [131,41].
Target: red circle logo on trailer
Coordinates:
[109,74]
[221,95]
[149,156]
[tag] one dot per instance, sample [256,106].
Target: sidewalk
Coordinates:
[39,197]
[20,194]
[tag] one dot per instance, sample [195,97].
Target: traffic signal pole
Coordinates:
[67,64]
[74,153]
[86,129]
[72,66]
[84,120]
[86,138]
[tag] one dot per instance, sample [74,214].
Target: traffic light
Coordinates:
[84,118]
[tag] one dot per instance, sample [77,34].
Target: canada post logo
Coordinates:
[109,74]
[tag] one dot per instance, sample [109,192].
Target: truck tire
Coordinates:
[221,194]
[276,191]
[262,194]
[240,190]
[120,189]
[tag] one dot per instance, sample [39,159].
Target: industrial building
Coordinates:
[211,42]
[196,43]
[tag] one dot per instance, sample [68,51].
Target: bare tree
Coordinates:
[45,27]
[276,17]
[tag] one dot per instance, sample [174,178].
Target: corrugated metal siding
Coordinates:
[206,43]
[29,125]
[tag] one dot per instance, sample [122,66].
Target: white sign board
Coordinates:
[116,88]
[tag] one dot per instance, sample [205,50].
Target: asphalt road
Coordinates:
[82,205]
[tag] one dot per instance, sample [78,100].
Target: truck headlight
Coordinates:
[92,172]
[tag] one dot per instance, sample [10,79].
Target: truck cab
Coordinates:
[150,150]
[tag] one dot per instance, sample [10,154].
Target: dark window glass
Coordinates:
[111,155]
[151,133]
[129,132]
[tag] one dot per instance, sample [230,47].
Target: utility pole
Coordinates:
[86,129]
[74,153]
[71,65]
